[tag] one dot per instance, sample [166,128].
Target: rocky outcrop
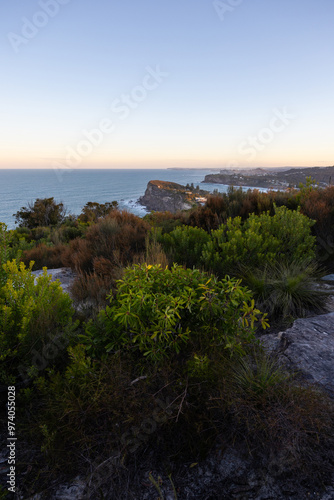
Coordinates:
[64,274]
[161,196]
[308,348]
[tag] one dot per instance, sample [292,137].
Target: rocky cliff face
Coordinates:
[161,196]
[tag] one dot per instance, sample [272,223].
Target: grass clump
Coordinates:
[286,289]
[287,426]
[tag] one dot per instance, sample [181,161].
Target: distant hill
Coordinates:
[277,179]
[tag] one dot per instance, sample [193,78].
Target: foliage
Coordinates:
[161,312]
[319,205]
[43,212]
[157,484]
[96,403]
[35,318]
[44,255]
[238,203]
[275,416]
[285,289]
[195,331]
[10,248]
[306,189]
[92,211]
[259,240]
[90,290]
[4,252]
[257,374]
[184,245]
[154,253]
[165,221]
[119,237]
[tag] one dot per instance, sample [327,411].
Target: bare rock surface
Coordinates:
[64,274]
[308,347]
[169,196]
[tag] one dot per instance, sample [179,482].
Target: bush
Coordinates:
[4,252]
[43,212]
[165,221]
[45,256]
[90,399]
[119,237]
[161,312]
[260,239]
[90,290]
[286,290]
[92,211]
[184,245]
[319,205]
[35,319]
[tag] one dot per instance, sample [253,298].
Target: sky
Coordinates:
[169,83]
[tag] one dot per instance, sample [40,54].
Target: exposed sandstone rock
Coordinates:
[161,196]
[64,274]
[308,347]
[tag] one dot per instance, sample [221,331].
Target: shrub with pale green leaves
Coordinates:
[261,239]
[162,312]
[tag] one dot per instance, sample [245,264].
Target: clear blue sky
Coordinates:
[152,83]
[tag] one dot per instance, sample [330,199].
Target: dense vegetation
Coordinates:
[159,348]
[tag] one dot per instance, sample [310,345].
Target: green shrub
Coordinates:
[35,321]
[165,221]
[184,245]
[161,312]
[100,409]
[8,250]
[43,212]
[260,239]
[286,290]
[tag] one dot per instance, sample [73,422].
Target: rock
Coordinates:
[161,196]
[328,277]
[73,491]
[64,274]
[308,347]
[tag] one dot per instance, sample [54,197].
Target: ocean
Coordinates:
[76,187]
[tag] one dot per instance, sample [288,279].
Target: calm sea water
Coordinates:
[76,187]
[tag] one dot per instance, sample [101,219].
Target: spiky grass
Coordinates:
[286,289]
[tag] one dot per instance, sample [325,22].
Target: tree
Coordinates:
[44,212]
[92,211]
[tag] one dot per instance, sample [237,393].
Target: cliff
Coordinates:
[163,195]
